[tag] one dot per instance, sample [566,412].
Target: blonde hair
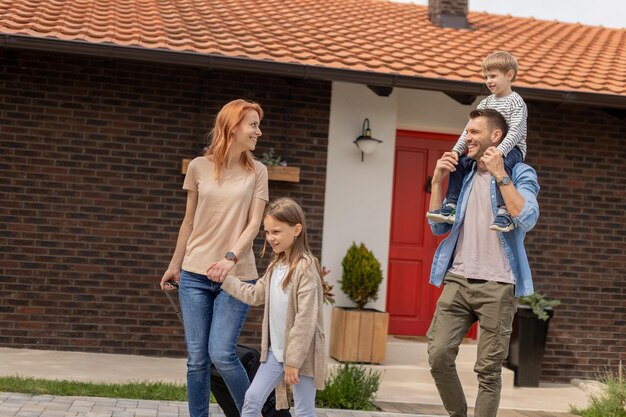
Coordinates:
[502,61]
[286,210]
[221,136]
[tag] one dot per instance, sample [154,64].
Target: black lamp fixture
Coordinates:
[366,143]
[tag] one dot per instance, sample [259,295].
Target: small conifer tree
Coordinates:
[361,276]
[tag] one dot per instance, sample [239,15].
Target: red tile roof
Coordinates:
[377,36]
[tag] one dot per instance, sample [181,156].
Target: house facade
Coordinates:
[94,126]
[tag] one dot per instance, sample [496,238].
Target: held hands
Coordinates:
[218,270]
[291,375]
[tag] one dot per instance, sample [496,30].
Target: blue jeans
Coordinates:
[213,320]
[465,164]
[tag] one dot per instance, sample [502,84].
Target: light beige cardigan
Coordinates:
[304,335]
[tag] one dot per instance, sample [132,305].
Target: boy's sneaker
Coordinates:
[502,223]
[445,214]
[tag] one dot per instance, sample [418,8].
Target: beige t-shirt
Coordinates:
[222,214]
[479,253]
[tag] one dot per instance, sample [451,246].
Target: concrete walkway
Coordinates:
[546,401]
[26,405]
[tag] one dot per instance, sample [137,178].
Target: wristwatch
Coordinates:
[231,257]
[504,181]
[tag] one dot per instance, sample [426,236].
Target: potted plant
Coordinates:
[528,339]
[359,334]
[277,169]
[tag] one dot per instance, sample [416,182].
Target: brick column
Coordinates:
[449,13]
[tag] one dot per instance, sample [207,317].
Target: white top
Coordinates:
[278,311]
[479,253]
[515,112]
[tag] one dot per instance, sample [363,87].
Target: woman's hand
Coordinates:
[291,375]
[171,275]
[217,271]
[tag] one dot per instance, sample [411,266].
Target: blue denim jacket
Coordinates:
[525,180]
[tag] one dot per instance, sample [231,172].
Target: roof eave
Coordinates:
[297,70]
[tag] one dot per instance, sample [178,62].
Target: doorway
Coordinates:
[411,300]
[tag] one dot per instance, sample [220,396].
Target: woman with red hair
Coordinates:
[226,194]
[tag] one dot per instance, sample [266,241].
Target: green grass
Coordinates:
[140,390]
[611,402]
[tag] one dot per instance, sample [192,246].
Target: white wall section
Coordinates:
[359,194]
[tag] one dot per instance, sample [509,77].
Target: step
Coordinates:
[413,383]
[406,373]
[413,351]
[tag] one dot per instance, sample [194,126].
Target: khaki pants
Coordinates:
[461,303]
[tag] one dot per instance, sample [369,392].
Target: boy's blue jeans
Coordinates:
[213,320]
[456,178]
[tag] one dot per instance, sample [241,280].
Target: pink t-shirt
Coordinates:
[479,253]
[222,214]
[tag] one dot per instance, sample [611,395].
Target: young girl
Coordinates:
[292,341]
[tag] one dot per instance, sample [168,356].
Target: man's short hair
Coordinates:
[495,119]
[502,61]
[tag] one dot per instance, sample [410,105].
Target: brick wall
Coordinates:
[91,190]
[578,248]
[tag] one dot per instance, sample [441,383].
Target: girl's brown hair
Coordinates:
[221,136]
[288,211]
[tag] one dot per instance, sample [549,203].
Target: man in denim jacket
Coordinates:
[482,271]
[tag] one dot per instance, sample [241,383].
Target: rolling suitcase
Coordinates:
[250,359]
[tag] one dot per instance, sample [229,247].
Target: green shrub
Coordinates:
[538,302]
[349,387]
[611,402]
[268,158]
[361,275]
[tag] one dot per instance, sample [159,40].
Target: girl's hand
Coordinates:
[291,375]
[325,271]
[218,270]
[208,270]
[170,275]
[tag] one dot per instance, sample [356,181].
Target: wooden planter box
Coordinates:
[183,166]
[280,173]
[358,335]
[274,173]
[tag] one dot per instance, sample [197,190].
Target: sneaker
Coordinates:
[443,215]
[502,223]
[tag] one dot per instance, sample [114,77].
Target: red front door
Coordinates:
[410,298]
